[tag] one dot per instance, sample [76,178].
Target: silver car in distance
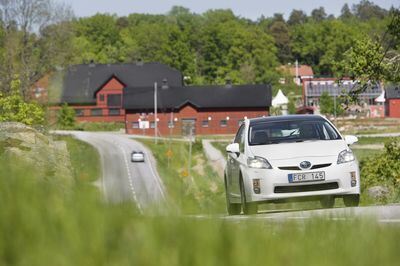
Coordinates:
[294,157]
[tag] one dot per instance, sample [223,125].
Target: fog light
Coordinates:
[353,179]
[256,186]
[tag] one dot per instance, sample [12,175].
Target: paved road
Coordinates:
[389,214]
[121,179]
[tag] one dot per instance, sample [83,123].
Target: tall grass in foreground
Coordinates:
[42,223]
[201,191]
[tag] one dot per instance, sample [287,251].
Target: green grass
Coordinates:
[85,159]
[203,192]
[364,154]
[43,224]
[100,126]
[40,226]
[374,140]
[220,145]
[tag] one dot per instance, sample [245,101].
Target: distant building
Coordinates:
[392,103]
[315,87]
[125,93]
[297,73]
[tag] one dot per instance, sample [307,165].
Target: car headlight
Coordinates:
[258,162]
[345,157]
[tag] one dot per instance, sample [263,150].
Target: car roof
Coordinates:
[285,118]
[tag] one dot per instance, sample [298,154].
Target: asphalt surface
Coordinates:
[123,180]
[382,214]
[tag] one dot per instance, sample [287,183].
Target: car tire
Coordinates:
[232,208]
[327,202]
[351,200]
[247,207]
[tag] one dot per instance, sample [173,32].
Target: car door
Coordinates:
[234,162]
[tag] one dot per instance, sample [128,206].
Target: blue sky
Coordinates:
[252,9]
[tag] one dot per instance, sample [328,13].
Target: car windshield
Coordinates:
[275,132]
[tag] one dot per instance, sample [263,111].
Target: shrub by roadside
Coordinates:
[383,170]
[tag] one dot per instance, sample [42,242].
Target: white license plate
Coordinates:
[306,177]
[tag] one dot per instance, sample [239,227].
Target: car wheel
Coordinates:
[232,208]
[247,207]
[351,200]
[327,202]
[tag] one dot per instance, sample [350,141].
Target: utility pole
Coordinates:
[190,151]
[155,112]
[334,103]
[297,72]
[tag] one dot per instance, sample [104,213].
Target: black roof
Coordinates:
[81,82]
[234,96]
[285,118]
[393,92]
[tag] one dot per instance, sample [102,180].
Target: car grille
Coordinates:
[296,168]
[306,188]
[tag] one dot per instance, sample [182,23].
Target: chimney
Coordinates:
[228,82]
[139,62]
[164,85]
[92,64]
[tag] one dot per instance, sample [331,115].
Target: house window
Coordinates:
[171,124]
[79,112]
[153,124]
[223,123]
[114,111]
[114,100]
[96,112]
[101,97]
[135,124]
[204,123]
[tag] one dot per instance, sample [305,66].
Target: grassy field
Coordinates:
[84,158]
[202,190]
[41,223]
[40,226]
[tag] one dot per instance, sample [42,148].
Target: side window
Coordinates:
[239,135]
[240,138]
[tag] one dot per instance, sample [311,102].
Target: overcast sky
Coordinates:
[252,9]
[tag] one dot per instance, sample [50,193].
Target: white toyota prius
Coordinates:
[296,157]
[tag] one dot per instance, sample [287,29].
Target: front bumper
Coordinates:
[274,184]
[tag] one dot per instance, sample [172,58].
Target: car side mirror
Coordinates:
[233,148]
[350,139]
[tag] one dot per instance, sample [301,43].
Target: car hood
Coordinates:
[307,149]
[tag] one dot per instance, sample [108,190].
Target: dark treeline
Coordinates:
[208,48]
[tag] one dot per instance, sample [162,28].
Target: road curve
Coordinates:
[121,179]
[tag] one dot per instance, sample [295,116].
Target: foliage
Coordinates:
[100,126]
[202,192]
[85,160]
[328,105]
[66,117]
[13,108]
[292,105]
[371,61]
[383,169]
[61,226]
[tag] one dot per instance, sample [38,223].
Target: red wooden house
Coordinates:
[125,93]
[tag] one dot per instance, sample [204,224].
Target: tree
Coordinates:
[368,62]
[366,10]
[13,108]
[318,14]
[326,104]
[345,12]
[279,30]
[25,55]
[297,17]
[66,117]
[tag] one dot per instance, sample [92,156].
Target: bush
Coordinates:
[13,108]
[66,117]
[383,169]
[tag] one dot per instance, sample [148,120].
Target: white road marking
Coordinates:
[129,175]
